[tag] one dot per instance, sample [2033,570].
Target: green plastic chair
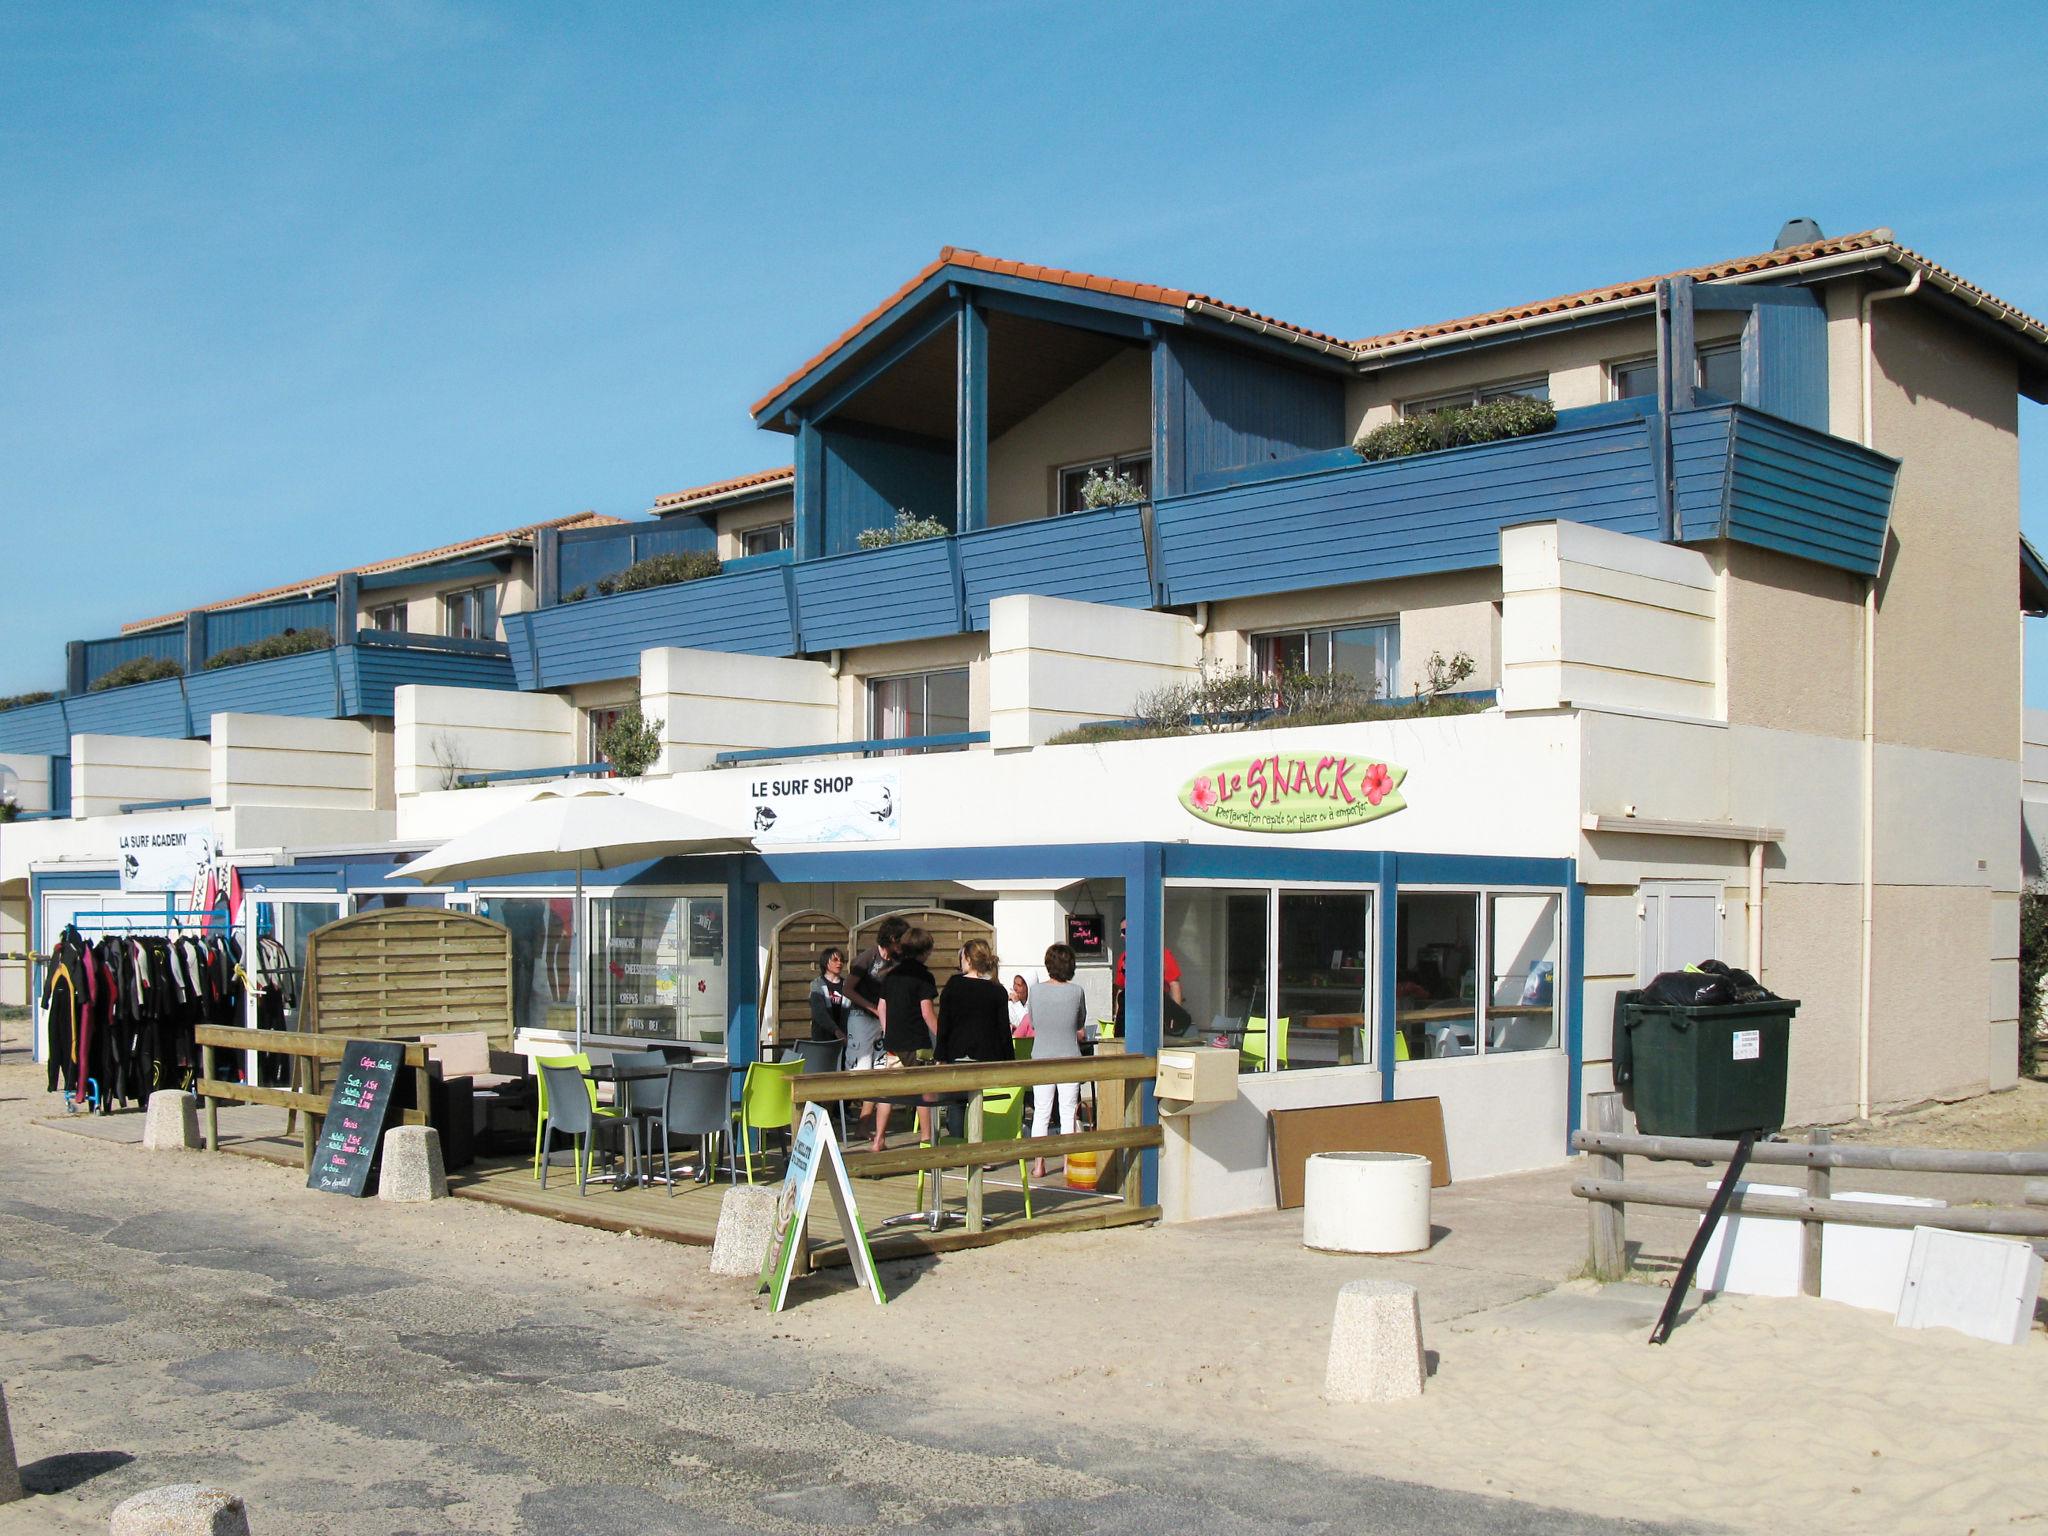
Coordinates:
[766,1104]
[581,1062]
[1253,1053]
[1002,1119]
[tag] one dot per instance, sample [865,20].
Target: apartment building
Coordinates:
[1742,613]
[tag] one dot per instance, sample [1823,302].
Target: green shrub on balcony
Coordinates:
[654,571]
[1118,490]
[292,642]
[907,529]
[23,700]
[631,743]
[143,669]
[1491,421]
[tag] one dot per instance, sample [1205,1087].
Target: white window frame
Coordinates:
[472,602]
[1272,889]
[874,732]
[1108,463]
[1614,366]
[1390,687]
[1535,387]
[384,611]
[1483,949]
[785,530]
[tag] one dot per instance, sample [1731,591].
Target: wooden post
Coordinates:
[1134,1114]
[1819,1185]
[1109,1116]
[1608,1224]
[974,1169]
[212,1104]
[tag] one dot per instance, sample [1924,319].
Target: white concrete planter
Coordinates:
[1366,1202]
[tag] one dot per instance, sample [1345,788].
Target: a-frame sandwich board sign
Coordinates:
[813,1144]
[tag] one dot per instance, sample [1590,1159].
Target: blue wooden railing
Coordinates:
[875,746]
[512,775]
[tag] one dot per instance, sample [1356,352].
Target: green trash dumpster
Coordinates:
[1708,1071]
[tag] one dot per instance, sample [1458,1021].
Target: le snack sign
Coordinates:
[1295,792]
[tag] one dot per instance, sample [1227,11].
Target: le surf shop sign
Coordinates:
[1295,792]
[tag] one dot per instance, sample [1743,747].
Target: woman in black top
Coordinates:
[909,1020]
[828,997]
[974,1021]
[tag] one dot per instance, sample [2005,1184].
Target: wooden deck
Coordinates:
[690,1214]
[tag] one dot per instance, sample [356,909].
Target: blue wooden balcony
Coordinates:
[339,682]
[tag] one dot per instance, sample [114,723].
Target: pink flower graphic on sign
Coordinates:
[1378,783]
[1203,794]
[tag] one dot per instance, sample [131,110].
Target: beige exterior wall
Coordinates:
[1456,611]
[108,772]
[1108,412]
[30,790]
[714,701]
[763,513]
[1574,362]
[14,974]
[422,599]
[1794,641]
[1948,630]
[439,733]
[284,761]
[1054,664]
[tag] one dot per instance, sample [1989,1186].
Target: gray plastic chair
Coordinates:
[826,1056]
[570,1113]
[696,1102]
[641,1099]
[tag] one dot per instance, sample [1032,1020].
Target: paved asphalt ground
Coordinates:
[146,1338]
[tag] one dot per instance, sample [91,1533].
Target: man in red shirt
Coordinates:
[1177,1014]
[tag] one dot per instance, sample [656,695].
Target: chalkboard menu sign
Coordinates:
[1084,933]
[355,1117]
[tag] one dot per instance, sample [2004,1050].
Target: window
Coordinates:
[543,958]
[388,619]
[1368,653]
[767,540]
[1439,1006]
[918,704]
[1136,466]
[595,723]
[1718,372]
[1458,399]
[1234,947]
[653,964]
[471,614]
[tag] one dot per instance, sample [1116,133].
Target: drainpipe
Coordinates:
[1869,370]
[1756,910]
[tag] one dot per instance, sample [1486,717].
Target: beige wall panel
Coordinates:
[1948,641]
[1812,787]
[1845,356]
[477,730]
[1794,642]
[1812,951]
[31,772]
[14,974]
[1613,931]
[108,772]
[1108,412]
[1054,663]
[284,760]
[2002,1055]
[1929,1029]
[1674,769]
[1939,814]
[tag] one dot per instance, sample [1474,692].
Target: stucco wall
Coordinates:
[108,772]
[275,760]
[1794,637]
[713,701]
[1055,663]
[1108,412]
[438,732]
[31,771]
[1453,612]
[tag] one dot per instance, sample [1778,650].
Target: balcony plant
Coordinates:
[1112,490]
[907,529]
[631,743]
[292,642]
[142,669]
[655,571]
[23,700]
[1490,421]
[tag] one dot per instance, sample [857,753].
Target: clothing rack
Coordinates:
[151,920]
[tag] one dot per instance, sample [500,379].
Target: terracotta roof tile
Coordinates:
[398,563]
[722,488]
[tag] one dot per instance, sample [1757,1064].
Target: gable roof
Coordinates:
[738,488]
[1871,246]
[424,557]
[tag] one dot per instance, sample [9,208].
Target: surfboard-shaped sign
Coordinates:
[1295,792]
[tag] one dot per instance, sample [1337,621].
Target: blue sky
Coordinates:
[287,287]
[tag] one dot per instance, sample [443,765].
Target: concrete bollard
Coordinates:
[411,1170]
[10,1469]
[171,1123]
[182,1509]
[746,1225]
[1375,1344]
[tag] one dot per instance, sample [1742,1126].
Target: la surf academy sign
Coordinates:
[1295,792]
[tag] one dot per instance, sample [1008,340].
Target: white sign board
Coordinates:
[167,856]
[831,803]
[814,1143]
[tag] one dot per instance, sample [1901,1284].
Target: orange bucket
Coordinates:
[1083,1169]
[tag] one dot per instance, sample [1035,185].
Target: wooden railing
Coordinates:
[302,1048]
[1118,1132]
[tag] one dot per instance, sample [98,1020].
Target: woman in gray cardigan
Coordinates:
[1059,1009]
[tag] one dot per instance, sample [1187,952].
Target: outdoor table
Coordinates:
[605,1072]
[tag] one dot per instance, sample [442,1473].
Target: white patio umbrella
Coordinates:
[587,825]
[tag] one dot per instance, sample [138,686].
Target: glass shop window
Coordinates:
[543,958]
[1324,1018]
[1521,993]
[652,962]
[1217,938]
[1436,1000]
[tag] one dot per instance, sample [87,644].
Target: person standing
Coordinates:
[829,1007]
[974,1020]
[1059,1010]
[1175,1017]
[864,999]
[1020,1007]
[910,1020]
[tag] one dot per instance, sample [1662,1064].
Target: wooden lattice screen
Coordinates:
[409,971]
[792,961]
[949,930]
